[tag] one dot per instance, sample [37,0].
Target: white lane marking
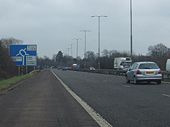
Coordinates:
[166,95]
[126,86]
[96,116]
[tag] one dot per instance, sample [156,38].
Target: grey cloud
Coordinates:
[52,24]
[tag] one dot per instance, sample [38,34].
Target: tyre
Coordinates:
[135,81]
[148,82]
[158,82]
[127,80]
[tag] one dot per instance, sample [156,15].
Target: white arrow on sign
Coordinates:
[22,53]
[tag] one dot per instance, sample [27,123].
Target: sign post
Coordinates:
[18,70]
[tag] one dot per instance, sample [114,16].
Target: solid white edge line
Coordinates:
[96,116]
[126,86]
[166,95]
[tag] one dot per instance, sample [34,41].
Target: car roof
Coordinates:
[144,62]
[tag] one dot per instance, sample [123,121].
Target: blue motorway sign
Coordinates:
[24,55]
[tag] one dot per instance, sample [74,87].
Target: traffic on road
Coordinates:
[84,63]
[119,103]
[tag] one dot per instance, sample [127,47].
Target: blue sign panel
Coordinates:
[24,55]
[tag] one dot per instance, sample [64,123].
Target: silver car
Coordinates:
[144,71]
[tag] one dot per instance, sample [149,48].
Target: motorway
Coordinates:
[42,101]
[121,104]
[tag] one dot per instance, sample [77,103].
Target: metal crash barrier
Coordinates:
[165,74]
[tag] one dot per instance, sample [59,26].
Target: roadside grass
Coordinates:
[7,83]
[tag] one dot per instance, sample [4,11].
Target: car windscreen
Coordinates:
[125,64]
[148,66]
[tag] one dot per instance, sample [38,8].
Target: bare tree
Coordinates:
[5,42]
[159,53]
[7,66]
[158,50]
[105,52]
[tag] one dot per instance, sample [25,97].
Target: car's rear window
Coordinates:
[148,66]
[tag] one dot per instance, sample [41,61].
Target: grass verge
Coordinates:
[5,84]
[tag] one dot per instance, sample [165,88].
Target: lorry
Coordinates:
[122,63]
[168,65]
[75,67]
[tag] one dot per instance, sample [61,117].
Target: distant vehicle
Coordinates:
[122,63]
[144,71]
[92,69]
[75,67]
[59,67]
[168,65]
[66,68]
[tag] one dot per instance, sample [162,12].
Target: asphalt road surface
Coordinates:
[121,104]
[42,101]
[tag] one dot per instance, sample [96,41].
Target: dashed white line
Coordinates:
[126,86]
[96,116]
[166,95]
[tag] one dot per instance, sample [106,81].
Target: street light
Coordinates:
[85,33]
[131,30]
[99,16]
[77,40]
[71,48]
[68,51]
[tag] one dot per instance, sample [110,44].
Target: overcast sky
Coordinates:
[52,24]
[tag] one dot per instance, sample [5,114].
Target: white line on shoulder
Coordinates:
[166,95]
[96,116]
[126,86]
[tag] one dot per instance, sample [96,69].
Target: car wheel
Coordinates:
[148,82]
[127,80]
[135,81]
[159,82]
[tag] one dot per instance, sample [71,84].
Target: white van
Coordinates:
[122,63]
[168,65]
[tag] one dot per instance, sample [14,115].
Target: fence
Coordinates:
[165,74]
